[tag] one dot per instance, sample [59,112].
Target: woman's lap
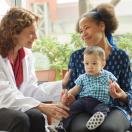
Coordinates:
[115,122]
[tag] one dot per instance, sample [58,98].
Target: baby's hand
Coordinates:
[67,99]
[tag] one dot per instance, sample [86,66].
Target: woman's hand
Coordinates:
[57,111]
[116,92]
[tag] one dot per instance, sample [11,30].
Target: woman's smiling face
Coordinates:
[91,31]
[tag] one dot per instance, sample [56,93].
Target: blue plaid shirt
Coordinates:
[96,86]
[117,63]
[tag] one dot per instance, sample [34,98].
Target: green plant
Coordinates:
[58,53]
[125,42]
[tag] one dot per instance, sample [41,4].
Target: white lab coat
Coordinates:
[11,97]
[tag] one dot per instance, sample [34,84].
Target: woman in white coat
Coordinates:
[18,111]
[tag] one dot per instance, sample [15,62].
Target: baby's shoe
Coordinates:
[95,121]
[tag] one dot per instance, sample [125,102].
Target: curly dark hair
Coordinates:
[102,12]
[15,20]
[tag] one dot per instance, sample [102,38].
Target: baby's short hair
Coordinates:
[95,50]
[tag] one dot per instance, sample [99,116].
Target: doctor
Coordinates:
[18,111]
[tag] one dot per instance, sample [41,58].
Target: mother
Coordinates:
[94,26]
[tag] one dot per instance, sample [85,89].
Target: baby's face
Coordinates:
[93,64]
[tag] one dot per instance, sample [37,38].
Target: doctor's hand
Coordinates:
[117,93]
[57,111]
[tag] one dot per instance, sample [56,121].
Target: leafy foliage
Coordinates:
[125,42]
[57,53]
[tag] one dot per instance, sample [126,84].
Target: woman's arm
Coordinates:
[76,65]
[125,74]
[44,92]
[66,78]
[122,71]
[117,93]
[73,74]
